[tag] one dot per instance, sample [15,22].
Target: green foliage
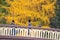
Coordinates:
[2,21]
[3,10]
[58,0]
[2,2]
[55,22]
[58,19]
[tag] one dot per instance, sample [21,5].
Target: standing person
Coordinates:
[13,22]
[29,26]
[13,28]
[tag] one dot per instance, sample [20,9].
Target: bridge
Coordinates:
[16,32]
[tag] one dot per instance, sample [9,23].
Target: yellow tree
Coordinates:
[35,10]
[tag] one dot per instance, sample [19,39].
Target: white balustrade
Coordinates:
[25,32]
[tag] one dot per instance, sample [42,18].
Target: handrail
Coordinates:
[17,26]
[36,32]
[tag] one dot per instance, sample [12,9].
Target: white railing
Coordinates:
[26,32]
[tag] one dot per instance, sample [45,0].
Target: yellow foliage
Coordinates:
[23,10]
[45,27]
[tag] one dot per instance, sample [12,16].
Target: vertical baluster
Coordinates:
[43,34]
[27,33]
[55,36]
[24,32]
[8,31]
[48,34]
[40,34]
[1,31]
[11,32]
[59,36]
[19,31]
[5,31]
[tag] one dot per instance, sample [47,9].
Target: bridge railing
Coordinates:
[15,30]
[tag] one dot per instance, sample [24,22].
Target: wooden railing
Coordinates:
[17,32]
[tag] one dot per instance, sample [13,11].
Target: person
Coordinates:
[29,23]
[13,22]
[29,26]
